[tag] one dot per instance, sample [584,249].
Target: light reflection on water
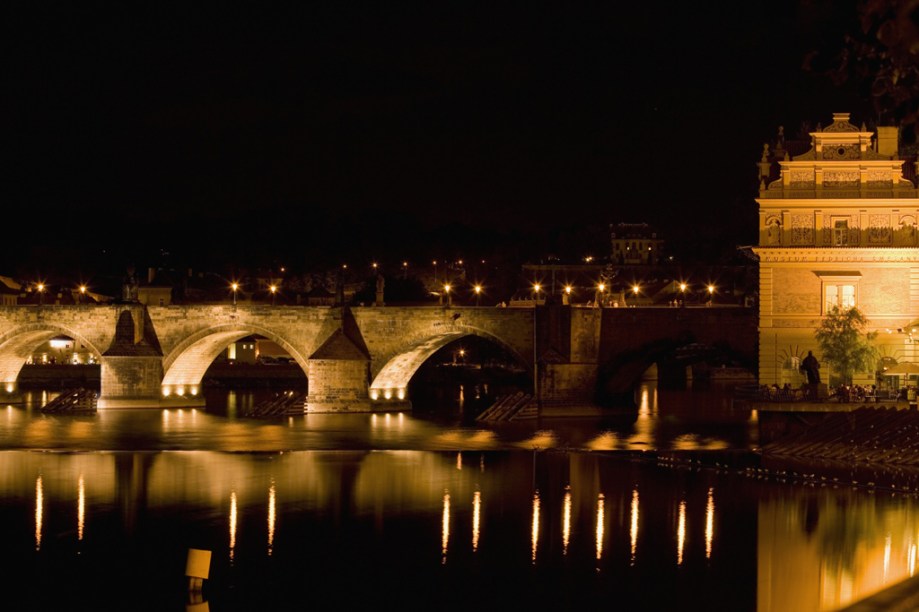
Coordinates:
[559,528]
[660,422]
[360,509]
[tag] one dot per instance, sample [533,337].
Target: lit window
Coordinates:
[838,295]
[839,289]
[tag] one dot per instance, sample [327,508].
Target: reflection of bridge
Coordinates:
[362,359]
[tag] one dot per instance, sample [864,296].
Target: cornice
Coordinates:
[837,255]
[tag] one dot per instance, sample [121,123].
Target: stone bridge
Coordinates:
[359,359]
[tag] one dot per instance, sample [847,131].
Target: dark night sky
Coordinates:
[393,130]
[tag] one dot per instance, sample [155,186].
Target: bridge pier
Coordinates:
[136,382]
[338,385]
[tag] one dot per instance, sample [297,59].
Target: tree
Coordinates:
[844,344]
[879,54]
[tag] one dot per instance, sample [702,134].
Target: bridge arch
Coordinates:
[18,343]
[392,380]
[187,362]
[618,378]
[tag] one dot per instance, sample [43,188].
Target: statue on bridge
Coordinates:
[129,286]
[381,283]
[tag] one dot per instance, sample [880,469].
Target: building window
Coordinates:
[840,232]
[841,295]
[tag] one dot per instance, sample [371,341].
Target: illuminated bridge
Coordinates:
[362,359]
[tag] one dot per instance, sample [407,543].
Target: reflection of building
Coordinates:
[837,226]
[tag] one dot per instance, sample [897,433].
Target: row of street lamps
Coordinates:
[477,289]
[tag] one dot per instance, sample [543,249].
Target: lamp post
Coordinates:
[274,290]
[635,291]
[598,300]
[234,287]
[82,293]
[478,293]
[711,294]
[536,289]
[567,296]
[447,293]
[683,294]
[41,293]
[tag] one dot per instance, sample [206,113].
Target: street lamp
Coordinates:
[41,293]
[683,288]
[274,290]
[536,288]
[711,294]
[82,293]
[598,299]
[478,293]
[234,287]
[568,290]
[447,293]
[635,291]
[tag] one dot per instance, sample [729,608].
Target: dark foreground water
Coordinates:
[635,510]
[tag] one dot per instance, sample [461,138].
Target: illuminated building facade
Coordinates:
[837,226]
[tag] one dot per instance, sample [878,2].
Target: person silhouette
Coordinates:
[811,368]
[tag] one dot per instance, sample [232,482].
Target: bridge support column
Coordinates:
[338,385]
[128,382]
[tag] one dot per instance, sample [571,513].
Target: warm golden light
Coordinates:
[445,527]
[683,287]
[711,289]
[681,533]
[233,511]
[476,518]
[566,520]
[273,288]
[82,288]
[534,529]
[447,288]
[635,289]
[568,289]
[601,501]
[536,287]
[633,525]
[601,287]
[272,516]
[459,461]
[234,286]
[81,507]
[477,289]
[39,511]
[709,522]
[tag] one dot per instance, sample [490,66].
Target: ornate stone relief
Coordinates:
[879,229]
[908,230]
[840,152]
[802,229]
[802,179]
[840,178]
[773,230]
[879,178]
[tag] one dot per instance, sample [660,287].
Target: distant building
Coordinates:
[157,290]
[635,244]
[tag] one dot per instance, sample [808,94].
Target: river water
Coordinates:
[659,508]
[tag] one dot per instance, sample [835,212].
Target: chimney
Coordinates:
[887,141]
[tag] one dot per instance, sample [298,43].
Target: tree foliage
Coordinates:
[844,344]
[880,56]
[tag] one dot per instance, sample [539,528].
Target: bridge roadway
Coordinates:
[361,359]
